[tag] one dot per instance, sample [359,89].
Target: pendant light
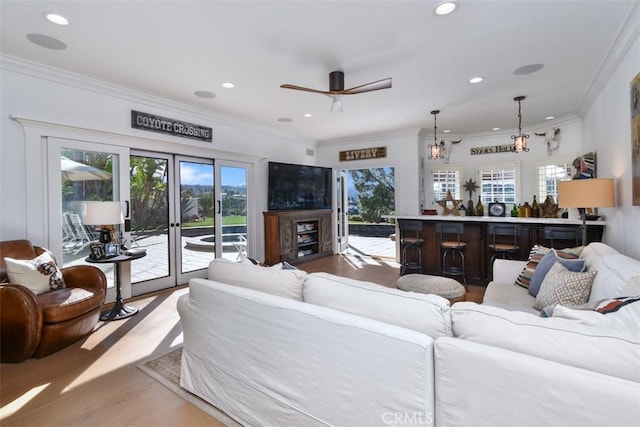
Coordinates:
[520,140]
[436,150]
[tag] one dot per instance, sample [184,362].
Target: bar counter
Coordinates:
[478,254]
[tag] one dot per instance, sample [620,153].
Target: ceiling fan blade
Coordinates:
[369,87]
[304,89]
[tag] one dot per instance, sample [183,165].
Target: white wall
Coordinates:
[76,107]
[607,129]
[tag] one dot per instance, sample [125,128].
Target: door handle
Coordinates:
[126,209]
[219,206]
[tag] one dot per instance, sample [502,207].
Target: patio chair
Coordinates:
[84,235]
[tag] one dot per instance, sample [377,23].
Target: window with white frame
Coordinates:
[445,178]
[499,182]
[550,172]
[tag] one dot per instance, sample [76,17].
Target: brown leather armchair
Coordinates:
[37,325]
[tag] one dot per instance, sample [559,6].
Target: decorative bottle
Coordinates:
[514,210]
[479,207]
[525,210]
[470,208]
[535,209]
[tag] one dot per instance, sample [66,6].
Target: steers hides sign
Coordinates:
[160,124]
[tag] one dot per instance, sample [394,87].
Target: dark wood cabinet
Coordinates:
[297,236]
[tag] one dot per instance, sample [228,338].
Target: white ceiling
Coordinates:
[173,48]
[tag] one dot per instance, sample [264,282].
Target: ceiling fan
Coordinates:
[336,88]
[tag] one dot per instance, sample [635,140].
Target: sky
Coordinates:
[192,173]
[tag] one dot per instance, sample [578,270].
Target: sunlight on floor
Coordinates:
[13,407]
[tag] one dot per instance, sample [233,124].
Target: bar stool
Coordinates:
[411,244]
[501,249]
[452,247]
[562,233]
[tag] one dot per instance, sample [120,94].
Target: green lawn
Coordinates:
[208,222]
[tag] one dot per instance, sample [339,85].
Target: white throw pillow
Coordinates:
[619,313]
[284,283]
[561,286]
[40,274]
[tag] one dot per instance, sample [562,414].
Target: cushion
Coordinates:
[281,282]
[623,312]
[632,287]
[40,274]
[606,350]
[437,285]
[561,286]
[424,313]
[536,254]
[614,272]
[545,265]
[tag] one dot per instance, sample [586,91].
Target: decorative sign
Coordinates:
[363,154]
[154,123]
[506,148]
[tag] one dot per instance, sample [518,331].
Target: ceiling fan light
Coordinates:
[445,7]
[336,105]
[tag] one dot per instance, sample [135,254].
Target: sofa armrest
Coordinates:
[85,276]
[477,384]
[507,270]
[20,323]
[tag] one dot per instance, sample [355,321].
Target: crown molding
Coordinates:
[56,75]
[628,34]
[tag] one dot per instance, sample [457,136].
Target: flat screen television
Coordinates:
[299,187]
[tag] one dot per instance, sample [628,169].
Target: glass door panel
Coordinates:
[196,227]
[150,217]
[80,171]
[233,211]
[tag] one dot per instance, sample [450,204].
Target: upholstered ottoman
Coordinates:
[443,286]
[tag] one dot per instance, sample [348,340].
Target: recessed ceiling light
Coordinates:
[549,117]
[307,115]
[55,18]
[446,131]
[477,79]
[528,69]
[46,41]
[495,129]
[445,7]
[285,120]
[228,85]
[204,94]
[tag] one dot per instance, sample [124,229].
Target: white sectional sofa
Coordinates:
[280,347]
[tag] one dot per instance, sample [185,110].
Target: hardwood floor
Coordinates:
[95,382]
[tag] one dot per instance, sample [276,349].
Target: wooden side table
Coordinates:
[119,309]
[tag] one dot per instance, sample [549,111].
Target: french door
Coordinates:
[185,211]
[342,211]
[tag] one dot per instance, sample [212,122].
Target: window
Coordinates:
[499,182]
[550,172]
[443,178]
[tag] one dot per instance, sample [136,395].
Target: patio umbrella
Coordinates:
[74,171]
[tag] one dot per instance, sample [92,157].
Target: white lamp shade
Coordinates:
[587,193]
[103,213]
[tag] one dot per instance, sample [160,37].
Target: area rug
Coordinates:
[166,370]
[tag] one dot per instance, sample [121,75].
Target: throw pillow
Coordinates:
[536,254]
[561,286]
[40,274]
[623,312]
[545,265]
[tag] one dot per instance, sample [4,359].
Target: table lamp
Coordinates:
[106,215]
[586,193]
